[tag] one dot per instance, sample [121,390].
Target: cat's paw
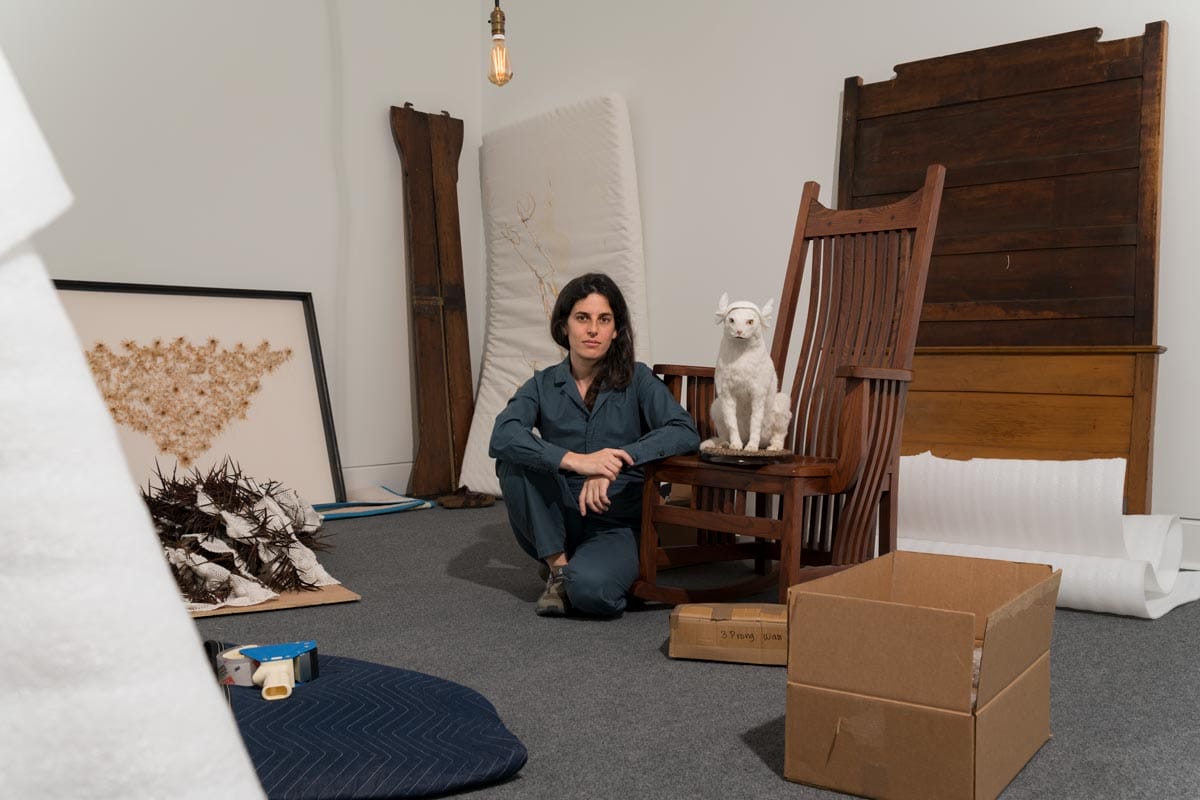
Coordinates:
[709,444]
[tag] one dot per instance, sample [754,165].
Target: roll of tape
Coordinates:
[235,669]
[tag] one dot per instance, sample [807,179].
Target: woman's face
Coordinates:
[591,328]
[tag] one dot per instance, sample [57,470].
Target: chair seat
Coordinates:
[692,470]
[793,466]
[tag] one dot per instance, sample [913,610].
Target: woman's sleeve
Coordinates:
[671,430]
[513,439]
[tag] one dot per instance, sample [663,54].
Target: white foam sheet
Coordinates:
[1191,543]
[1063,513]
[559,200]
[106,692]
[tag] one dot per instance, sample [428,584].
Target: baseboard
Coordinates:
[393,476]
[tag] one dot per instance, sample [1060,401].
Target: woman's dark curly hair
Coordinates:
[615,370]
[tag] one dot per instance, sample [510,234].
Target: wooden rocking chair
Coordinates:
[837,490]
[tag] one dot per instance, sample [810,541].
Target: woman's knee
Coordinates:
[596,591]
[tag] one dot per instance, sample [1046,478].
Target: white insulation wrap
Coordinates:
[84,588]
[1063,513]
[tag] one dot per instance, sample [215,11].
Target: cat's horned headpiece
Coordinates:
[764,313]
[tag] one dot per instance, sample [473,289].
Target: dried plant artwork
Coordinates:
[180,394]
[231,540]
[533,253]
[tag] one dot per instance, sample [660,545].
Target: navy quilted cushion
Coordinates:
[364,730]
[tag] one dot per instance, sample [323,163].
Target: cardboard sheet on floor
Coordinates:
[325,595]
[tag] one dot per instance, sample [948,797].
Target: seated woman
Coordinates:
[573,489]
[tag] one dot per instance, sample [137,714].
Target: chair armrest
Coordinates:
[853,422]
[684,371]
[876,373]
[852,434]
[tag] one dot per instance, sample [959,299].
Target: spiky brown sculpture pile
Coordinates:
[227,520]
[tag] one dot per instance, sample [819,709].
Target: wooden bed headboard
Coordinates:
[1037,337]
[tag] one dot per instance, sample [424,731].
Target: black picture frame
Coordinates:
[142,326]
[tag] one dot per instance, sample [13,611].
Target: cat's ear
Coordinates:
[722,307]
[767,310]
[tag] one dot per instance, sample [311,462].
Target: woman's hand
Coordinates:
[605,463]
[594,496]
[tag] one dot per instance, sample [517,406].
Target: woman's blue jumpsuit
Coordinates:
[643,419]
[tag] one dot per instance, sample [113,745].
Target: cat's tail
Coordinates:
[775,431]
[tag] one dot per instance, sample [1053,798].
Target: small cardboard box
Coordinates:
[745,633]
[881,700]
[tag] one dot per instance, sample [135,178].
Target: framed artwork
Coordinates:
[193,376]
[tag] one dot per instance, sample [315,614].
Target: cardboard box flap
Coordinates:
[871,580]
[1016,636]
[977,585]
[1011,729]
[839,643]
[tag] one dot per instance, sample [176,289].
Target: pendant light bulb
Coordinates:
[499,72]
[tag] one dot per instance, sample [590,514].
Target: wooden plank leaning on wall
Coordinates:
[429,146]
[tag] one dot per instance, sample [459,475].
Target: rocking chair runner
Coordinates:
[850,381]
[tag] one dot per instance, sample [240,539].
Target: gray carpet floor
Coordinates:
[605,713]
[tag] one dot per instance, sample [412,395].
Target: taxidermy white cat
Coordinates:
[749,412]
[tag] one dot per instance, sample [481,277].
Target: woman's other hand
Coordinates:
[594,496]
[605,463]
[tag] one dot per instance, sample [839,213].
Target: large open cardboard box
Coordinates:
[880,695]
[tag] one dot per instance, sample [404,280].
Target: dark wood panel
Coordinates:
[1025,373]
[446,141]
[433,466]
[1027,333]
[1066,273]
[1154,61]
[1067,201]
[1003,242]
[1056,308]
[1031,423]
[1086,210]
[1049,62]
[1139,466]
[1066,128]
[898,176]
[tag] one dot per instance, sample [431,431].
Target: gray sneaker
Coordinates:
[553,602]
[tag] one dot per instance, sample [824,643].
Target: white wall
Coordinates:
[246,144]
[735,105]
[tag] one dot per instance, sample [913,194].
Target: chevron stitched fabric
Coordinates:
[364,730]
